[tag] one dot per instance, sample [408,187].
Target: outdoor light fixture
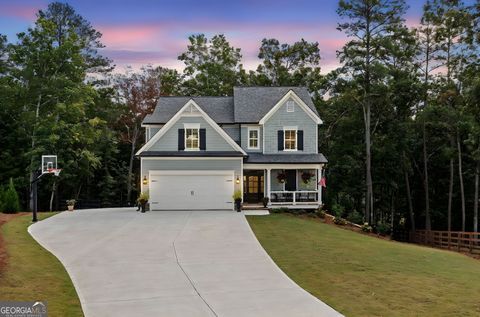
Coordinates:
[238,180]
[145,181]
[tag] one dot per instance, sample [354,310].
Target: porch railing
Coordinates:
[279,197]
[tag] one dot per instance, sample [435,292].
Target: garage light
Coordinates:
[238,180]
[145,181]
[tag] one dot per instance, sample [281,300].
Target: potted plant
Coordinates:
[265,201]
[71,204]
[237,198]
[306,177]
[281,177]
[142,200]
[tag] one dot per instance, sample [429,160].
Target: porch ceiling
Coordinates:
[258,158]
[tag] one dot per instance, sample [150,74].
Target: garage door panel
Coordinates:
[201,190]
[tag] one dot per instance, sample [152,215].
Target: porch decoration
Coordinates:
[306,177]
[71,204]
[281,177]
[142,201]
[237,198]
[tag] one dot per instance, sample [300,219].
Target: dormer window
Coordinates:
[253,138]
[290,106]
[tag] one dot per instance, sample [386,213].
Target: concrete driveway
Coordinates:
[171,263]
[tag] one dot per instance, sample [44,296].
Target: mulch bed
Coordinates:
[4,218]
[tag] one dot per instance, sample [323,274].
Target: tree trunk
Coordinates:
[475,202]
[428,223]
[450,191]
[460,176]
[32,159]
[409,198]
[368,163]
[130,165]
[52,194]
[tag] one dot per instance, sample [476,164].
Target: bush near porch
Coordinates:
[361,275]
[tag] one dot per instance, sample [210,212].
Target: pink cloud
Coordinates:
[25,12]
[128,36]
[160,43]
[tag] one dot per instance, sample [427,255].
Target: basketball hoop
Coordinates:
[54,171]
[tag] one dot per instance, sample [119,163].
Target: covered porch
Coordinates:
[285,185]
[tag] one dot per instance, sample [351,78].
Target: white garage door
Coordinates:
[182,190]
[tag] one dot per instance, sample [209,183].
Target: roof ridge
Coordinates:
[192,97]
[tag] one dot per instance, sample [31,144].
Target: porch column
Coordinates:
[319,187]
[268,183]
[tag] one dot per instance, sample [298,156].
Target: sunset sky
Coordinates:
[155,32]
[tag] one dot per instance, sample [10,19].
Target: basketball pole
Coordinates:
[33,184]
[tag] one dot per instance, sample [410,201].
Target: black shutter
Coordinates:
[280,140]
[300,140]
[203,140]
[181,139]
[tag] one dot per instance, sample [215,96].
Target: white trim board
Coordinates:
[177,116]
[291,94]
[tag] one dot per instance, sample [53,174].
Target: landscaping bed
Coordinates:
[360,275]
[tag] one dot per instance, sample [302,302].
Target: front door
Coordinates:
[253,186]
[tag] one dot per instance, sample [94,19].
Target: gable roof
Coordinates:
[248,105]
[220,109]
[190,103]
[251,104]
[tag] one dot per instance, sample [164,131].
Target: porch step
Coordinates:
[253,207]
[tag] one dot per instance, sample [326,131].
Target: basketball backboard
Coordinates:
[49,163]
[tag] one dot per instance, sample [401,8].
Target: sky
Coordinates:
[140,32]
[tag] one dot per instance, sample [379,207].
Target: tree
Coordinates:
[370,24]
[452,21]
[66,20]
[212,67]
[10,203]
[288,65]
[139,92]
[51,63]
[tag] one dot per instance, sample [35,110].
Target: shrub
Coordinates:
[383,229]
[143,198]
[10,204]
[237,195]
[355,217]
[71,202]
[278,210]
[321,213]
[265,201]
[339,221]
[338,210]
[367,228]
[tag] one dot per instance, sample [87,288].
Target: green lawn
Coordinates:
[364,276]
[32,273]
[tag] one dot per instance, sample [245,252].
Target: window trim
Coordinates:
[285,139]
[258,138]
[191,126]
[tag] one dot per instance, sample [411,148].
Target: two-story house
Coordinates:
[262,141]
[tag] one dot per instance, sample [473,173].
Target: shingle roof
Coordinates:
[220,109]
[191,153]
[259,158]
[248,105]
[251,104]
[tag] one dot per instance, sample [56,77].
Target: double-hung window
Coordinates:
[192,137]
[290,139]
[253,138]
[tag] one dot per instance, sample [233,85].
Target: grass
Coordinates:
[32,273]
[360,275]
